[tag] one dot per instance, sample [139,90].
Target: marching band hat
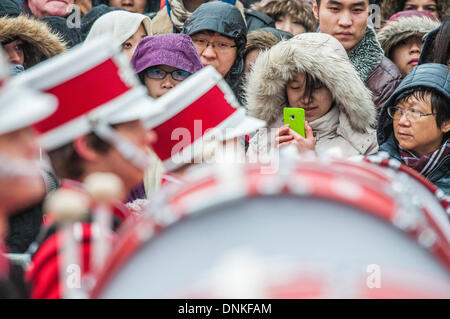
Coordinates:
[93,83]
[203,105]
[20,106]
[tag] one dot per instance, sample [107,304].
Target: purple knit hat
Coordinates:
[175,50]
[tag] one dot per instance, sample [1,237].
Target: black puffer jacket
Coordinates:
[227,20]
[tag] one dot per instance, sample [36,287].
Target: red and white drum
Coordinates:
[314,229]
[431,197]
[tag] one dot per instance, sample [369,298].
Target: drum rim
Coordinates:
[130,241]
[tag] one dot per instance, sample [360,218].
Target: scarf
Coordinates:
[367,54]
[426,163]
[327,124]
[178,13]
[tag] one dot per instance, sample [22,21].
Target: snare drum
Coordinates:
[340,229]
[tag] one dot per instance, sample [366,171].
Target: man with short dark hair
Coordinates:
[346,20]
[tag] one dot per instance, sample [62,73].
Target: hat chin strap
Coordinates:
[14,167]
[127,149]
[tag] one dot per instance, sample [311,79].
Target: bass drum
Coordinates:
[314,229]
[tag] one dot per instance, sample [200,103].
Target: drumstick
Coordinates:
[105,188]
[68,207]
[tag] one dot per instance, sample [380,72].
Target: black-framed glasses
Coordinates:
[396,113]
[218,46]
[159,74]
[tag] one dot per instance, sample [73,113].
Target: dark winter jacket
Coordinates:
[431,75]
[383,81]
[72,36]
[227,20]
[379,74]
[9,8]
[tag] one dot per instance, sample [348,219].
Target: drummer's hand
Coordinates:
[282,137]
[304,145]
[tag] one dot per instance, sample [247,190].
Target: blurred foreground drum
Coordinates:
[314,229]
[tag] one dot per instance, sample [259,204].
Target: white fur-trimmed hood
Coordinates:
[323,57]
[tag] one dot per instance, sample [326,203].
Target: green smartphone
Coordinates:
[295,117]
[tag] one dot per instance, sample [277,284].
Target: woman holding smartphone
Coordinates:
[311,71]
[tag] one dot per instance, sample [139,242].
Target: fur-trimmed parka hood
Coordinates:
[396,31]
[390,7]
[39,42]
[323,57]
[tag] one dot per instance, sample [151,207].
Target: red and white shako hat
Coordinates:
[94,84]
[205,107]
[21,106]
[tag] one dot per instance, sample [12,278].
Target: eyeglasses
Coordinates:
[413,115]
[218,46]
[158,74]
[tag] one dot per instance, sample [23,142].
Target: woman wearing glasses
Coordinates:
[414,124]
[163,61]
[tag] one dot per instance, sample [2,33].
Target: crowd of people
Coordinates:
[87,87]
